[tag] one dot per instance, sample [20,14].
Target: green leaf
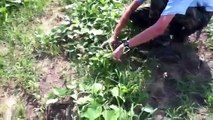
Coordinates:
[96,32]
[115,92]
[148,109]
[3,9]
[120,112]
[114,107]
[97,87]
[84,100]
[110,115]
[15,1]
[60,92]
[92,113]
[94,59]
[74,96]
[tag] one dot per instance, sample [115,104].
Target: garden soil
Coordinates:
[185,62]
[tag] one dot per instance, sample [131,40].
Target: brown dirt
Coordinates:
[54,72]
[11,99]
[2,96]
[204,52]
[53,17]
[4,49]
[50,75]
[190,66]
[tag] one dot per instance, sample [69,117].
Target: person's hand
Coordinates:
[118,52]
[112,42]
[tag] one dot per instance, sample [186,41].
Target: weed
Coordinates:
[105,89]
[108,87]
[16,38]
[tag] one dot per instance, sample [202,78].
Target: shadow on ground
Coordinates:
[178,76]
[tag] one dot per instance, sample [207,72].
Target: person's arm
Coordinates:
[173,7]
[152,32]
[125,18]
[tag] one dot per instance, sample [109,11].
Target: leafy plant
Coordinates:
[105,89]
[6,6]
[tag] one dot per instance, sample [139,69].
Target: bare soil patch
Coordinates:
[7,102]
[203,50]
[54,73]
[53,17]
[181,70]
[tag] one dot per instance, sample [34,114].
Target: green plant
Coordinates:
[6,6]
[105,89]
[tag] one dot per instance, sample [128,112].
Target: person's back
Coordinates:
[183,24]
[178,18]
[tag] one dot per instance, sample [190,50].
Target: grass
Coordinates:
[17,63]
[210,29]
[105,89]
[17,34]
